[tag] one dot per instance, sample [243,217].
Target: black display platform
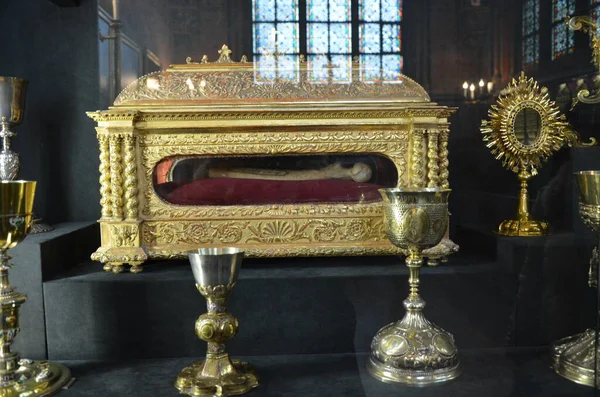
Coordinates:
[486,372]
[307,323]
[38,258]
[284,306]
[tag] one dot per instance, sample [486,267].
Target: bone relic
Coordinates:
[359,172]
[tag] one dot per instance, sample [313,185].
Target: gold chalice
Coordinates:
[216,272]
[19,377]
[413,350]
[573,356]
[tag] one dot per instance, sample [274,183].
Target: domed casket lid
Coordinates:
[274,80]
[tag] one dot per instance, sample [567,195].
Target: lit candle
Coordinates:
[490,87]
[465,89]
[481,85]
[472,89]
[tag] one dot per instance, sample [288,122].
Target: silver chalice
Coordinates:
[413,350]
[216,272]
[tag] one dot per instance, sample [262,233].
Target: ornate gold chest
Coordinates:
[279,164]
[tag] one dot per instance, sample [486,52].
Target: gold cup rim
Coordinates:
[14,78]
[415,190]
[214,251]
[17,182]
[587,172]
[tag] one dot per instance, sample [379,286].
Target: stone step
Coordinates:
[284,306]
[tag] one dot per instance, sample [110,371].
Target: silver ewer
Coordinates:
[12,105]
[216,272]
[414,351]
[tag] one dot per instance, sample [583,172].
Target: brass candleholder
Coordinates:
[414,351]
[573,357]
[216,272]
[22,378]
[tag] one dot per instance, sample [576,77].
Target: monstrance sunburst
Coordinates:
[524,128]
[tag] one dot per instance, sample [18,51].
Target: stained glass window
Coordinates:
[563,38]
[531,33]
[275,32]
[326,26]
[380,39]
[329,39]
[595,7]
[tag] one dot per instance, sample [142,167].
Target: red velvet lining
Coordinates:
[230,191]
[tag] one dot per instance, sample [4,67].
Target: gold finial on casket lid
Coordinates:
[224,57]
[270,80]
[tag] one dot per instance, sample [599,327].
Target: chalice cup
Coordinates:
[216,272]
[19,377]
[12,103]
[574,356]
[413,350]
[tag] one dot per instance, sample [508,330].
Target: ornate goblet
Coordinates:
[12,103]
[573,356]
[216,272]
[413,350]
[19,377]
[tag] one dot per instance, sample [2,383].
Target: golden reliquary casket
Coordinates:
[278,161]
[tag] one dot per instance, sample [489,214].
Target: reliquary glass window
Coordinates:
[531,33]
[563,38]
[283,179]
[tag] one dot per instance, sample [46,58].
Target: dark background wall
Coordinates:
[445,42]
[55,49]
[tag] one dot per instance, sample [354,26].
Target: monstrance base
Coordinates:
[530,228]
[573,358]
[422,356]
[239,378]
[38,378]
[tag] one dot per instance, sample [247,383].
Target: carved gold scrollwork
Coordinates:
[418,177]
[116,175]
[278,232]
[131,185]
[443,156]
[263,231]
[105,199]
[587,25]
[433,159]
[124,235]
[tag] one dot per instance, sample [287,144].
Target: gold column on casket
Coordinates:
[219,109]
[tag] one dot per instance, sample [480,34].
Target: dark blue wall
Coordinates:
[55,48]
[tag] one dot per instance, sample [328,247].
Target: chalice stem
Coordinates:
[217,363]
[523,214]
[9,301]
[413,261]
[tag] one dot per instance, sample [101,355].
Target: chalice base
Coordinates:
[38,378]
[424,355]
[217,376]
[522,228]
[573,358]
